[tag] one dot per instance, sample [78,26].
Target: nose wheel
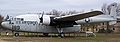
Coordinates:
[16,34]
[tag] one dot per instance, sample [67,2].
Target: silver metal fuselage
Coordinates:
[38,28]
[31,24]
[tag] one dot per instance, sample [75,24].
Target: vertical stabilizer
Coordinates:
[112,10]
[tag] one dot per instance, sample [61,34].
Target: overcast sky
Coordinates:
[16,7]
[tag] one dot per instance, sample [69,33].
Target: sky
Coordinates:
[17,7]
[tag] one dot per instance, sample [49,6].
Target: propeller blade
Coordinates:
[41,19]
[7,17]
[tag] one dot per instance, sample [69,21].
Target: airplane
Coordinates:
[47,23]
[41,23]
[51,24]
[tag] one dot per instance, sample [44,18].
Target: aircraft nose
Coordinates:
[4,24]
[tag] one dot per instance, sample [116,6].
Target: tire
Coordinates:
[45,34]
[61,35]
[16,34]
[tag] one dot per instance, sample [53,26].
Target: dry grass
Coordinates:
[99,38]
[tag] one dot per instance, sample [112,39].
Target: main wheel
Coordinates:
[45,34]
[61,35]
[16,34]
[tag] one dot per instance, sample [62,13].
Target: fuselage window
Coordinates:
[33,24]
[23,22]
[22,19]
[12,23]
[17,19]
[18,22]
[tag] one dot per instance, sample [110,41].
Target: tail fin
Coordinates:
[110,9]
[113,12]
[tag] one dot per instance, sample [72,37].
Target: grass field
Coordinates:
[113,37]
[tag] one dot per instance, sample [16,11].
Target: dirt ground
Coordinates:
[113,37]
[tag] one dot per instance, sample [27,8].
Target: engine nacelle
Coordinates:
[46,20]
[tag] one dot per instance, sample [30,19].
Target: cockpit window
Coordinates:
[11,22]
[17,19]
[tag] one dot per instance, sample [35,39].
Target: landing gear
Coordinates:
[61,34]
[16,34]
[45,34]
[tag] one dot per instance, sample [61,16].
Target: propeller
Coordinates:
[41,19]
[3,20]
[7,17]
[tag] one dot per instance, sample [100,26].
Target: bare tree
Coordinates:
[70,12]
[58,13]
[73,12]
[61,13]
[1,18]
[54,12]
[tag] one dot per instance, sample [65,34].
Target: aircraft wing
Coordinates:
[78,16]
